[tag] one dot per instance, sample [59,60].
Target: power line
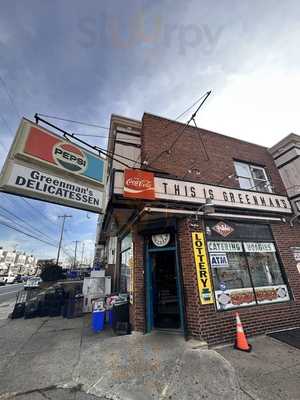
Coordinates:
[27,234]
[74,122]
[25,222]
[18,224]
[37,211]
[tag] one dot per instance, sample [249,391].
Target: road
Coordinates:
[8,292]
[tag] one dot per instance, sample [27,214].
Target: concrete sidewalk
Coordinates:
[270,372]
[56,358]
[63,359]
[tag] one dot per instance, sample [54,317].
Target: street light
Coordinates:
[208,208]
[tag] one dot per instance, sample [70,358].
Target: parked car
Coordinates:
[32,282]
[11,279]
[18,279]
[3,280]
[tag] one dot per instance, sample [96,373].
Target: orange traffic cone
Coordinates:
[241,342]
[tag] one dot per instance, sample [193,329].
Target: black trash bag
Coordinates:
[19,311]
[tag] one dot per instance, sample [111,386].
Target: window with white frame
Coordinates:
[252,177]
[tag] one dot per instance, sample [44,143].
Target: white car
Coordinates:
[32,282]
[7,279]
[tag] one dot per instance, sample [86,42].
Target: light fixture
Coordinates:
[208,208]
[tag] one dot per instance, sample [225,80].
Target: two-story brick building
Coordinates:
[202,227]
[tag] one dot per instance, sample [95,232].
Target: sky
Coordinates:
[86,60]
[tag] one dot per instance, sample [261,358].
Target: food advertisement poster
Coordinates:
[227,299]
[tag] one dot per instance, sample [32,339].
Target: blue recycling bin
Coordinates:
[98,318]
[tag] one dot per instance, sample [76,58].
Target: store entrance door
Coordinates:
[164,305]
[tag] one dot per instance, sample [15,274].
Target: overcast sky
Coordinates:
[84,60]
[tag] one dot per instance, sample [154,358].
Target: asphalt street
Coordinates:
[9,292]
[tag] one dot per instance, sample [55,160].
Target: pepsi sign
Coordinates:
[47,167]
[70,157]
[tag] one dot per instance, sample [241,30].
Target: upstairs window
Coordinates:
[252,177]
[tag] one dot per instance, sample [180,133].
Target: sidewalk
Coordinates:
[270,372]
[44,356]
[56,358]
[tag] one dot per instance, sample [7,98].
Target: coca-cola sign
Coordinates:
[139,184]
[223,229]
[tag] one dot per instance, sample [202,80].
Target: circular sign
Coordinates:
[224,299]
[161,239]
[281,292]
[222,286]
[69,157]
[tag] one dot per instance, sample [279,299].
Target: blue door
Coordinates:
[164,305]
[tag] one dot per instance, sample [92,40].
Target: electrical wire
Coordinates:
[19,226]
[192,118]
[89,135]
[183,113]
[27,234]
[73,121]
[101,150]
[25,222]
[39,212]
[200,137]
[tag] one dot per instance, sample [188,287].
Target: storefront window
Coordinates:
[126,265]
[245,272]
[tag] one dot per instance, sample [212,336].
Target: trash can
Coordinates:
[98,317]
[120,314]
[110,317]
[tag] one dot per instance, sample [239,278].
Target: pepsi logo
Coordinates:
[69,157]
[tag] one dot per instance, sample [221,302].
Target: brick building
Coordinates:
[203,229]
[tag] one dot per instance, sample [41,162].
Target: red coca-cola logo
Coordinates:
[139,184]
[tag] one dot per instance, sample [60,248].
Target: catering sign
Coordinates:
[202,268]
[45,166]
[32,182]
[197,193]
[229,247]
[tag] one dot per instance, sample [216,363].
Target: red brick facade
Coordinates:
[188,152]
[215,162]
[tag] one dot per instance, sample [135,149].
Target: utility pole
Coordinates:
[82,252]
[76,243]
[61,234]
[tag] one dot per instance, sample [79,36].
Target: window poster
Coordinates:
[246,273]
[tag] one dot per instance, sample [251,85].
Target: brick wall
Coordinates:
[137,310]
[205,322]
[158,134]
